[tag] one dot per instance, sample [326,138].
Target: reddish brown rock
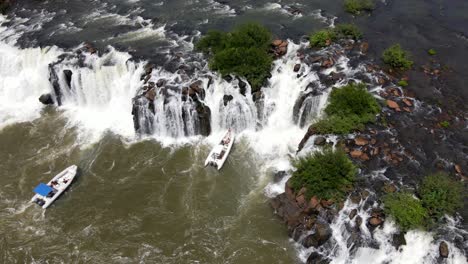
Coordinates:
[151,94]
[361,141]
[375,221]
[314,202]
[300,199]
[392,104]
[355,154]
[364,47]
[407,102]
[443,249]
[364,157]
[327,63]
[353,213]
[458,169]
[277,42]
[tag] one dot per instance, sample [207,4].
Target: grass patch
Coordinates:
[445,124]
[325,37]
[356,7]
[327,175]
[403,83]
[350,108]
[432,52]
[441,195]
[243,52]
[397,58]
[407,211]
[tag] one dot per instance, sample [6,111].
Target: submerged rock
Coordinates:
[316,258]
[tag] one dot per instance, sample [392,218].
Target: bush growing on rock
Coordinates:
[407,211]
[350,108]
[325,37]
[441,194]
[348,31]
[4,5]
[355,7]
[397,58]
[322,38]
[243,52]
[327,175]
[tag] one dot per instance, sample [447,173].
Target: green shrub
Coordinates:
[396,57]
[352,99]
[4,6]
[350,108]
[321,38]
[243,52]
[348,31]
[355,7]
[403,83]
[327,175]
[407,211]
[431,52]
[441,195]
[445,124]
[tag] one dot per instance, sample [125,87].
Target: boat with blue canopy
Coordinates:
[46,194]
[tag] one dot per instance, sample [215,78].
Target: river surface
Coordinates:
[149,199]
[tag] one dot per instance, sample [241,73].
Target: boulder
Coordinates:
[375,221]
[311,131]
[398,240]
[277,42]
[389,187]
[327,63]
[352,214]
[321,235]
[278,176]
[150,94]
[314,202]
[392,104]
[443,249]
[407,102]
[160,82]
[360,141]
[319,141]
[227,78]
[458,169]
[297,67]
[46,99]
[242,86]
[358,221]
[364,47]
[355,154]
[316,258]
[68,77]
[227,98]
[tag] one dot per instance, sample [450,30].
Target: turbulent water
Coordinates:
[146,198]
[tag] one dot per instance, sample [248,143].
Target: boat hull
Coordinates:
[222,150]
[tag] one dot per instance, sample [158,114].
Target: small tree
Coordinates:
[327,175]
[348,31]
[441,194]
[397,58]
[407,211]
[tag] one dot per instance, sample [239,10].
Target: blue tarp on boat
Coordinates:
[43,189]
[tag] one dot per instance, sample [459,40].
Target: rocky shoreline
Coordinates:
[380,145]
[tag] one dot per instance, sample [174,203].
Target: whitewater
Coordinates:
[99,102]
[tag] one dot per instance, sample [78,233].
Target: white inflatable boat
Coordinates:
[46,194]
[220,152]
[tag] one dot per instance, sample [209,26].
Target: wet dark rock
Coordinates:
[196,90]
[150,94]
[46,99]
[297,67]
[68,77]
[443,249]
[160,82]
[204,119]
[319,141]
[319,237]
[257,96]
[4,6]
[227,98]
[54,80]
[279,47]
[242,86]
[358,221]
[364,47]
[311,131]
[227,78]
[332,78]
[278,176]
[352,214]
[316,258]
[398,240]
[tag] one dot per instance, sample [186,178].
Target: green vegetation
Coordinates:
[327,175]
[431,52]
[397,58]
[350,108]
[325,37]
[243,52]
[441,195]
[322,38]
[403,83]
[348,31]
[445,124]
[407,211]
[355,7]
[4,5]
